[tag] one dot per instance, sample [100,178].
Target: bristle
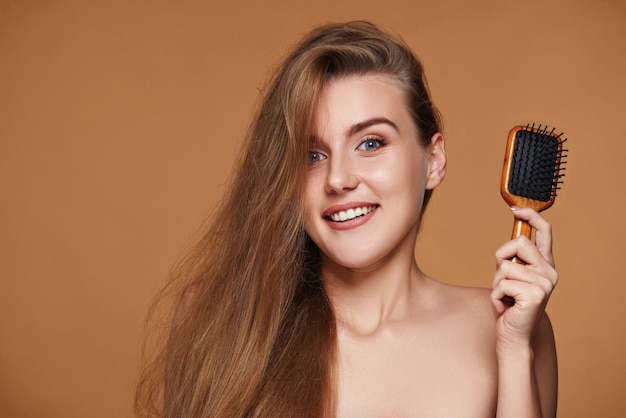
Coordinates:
[536,163]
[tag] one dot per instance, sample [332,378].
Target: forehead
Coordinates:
[350,100]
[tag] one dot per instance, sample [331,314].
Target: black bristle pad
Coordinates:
[533,165]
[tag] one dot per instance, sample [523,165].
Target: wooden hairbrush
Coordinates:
[532,171]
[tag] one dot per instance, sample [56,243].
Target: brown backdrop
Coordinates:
[119,121]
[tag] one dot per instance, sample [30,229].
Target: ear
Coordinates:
[437,161]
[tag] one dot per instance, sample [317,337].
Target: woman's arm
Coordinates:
[527,385]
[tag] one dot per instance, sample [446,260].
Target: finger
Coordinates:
[508,250]
[546,278]
[525,294]
[503,297]
[522,248]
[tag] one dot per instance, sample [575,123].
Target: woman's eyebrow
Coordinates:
[371,122]
[315,141]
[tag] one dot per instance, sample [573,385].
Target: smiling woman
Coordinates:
[304,298]
[368,156]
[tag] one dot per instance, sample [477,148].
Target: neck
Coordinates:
[365,300]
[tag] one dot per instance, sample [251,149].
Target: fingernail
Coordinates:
[514,208]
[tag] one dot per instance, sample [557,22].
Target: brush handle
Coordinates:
[520,228]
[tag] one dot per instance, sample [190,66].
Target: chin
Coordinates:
[352,261]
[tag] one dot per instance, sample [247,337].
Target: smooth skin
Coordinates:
[408,345]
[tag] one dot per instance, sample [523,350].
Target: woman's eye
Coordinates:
[315,156]
[371,144]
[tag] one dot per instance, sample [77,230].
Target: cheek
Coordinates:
[404,173]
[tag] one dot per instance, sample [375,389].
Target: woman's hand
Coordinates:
[529,284]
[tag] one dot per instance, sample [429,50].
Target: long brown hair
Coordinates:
[253,332]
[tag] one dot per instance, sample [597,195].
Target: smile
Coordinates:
[349,214]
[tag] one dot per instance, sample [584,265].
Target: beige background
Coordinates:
[118,125]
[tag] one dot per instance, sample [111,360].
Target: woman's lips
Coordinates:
[348,216]
[351,213]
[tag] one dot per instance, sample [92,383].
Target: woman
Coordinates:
[304,297]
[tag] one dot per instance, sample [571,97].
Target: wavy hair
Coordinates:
[252,333]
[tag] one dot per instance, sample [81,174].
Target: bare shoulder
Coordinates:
[465,313]
[473,302]
[444,349]
[467,293]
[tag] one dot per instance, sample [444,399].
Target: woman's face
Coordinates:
[367,172]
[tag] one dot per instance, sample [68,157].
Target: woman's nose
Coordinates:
[341,176]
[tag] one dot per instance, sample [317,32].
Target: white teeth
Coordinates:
[351,213]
